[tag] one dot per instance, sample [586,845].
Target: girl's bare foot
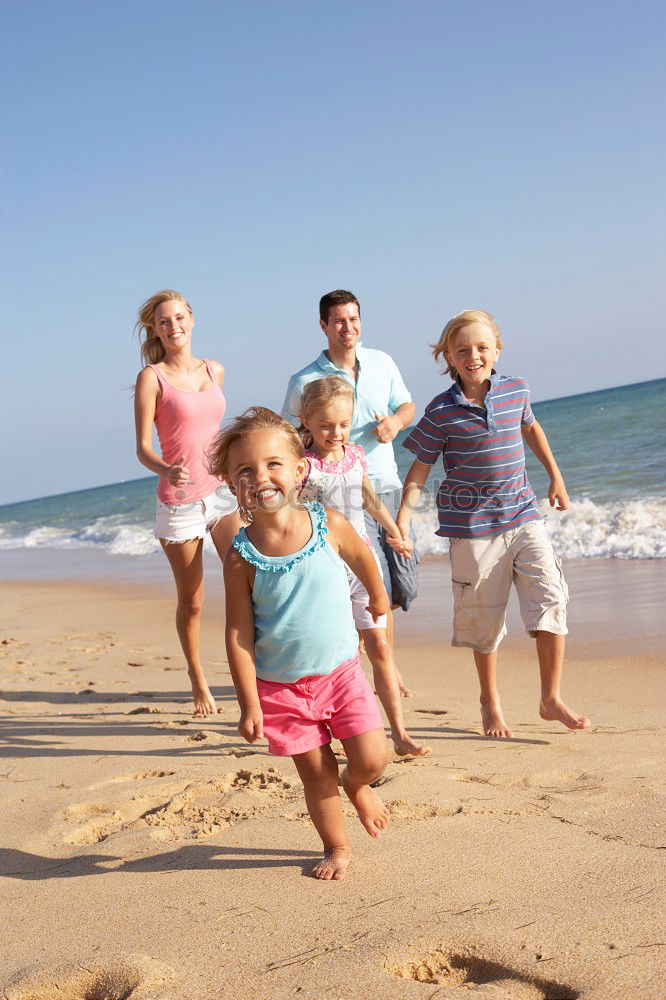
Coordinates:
[493,721]
[554,710]
[405,746]
[333,866]
[372,812]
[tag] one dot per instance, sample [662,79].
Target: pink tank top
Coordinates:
[186,424]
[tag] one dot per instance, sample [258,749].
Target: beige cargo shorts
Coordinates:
[482,571]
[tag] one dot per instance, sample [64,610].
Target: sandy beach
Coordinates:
[147,853]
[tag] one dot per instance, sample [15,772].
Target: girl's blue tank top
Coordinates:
[303,624]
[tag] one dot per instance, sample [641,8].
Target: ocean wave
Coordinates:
[109,534]
[634,529]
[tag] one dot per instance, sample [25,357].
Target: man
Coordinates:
[382,408]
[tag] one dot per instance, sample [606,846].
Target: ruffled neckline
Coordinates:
[347,462]
[283,564]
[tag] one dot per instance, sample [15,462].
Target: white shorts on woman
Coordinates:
[188,521]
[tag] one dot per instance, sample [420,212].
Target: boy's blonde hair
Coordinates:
[152,350]
[446,342]
[257,418]
[317,395]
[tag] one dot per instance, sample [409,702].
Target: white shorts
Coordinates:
[187,521]
[360,599]
[482,571]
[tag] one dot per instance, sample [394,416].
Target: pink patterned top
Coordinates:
[338,484]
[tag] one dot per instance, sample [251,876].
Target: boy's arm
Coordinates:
[536,440]
[350,547]
[415,480]
[239,636]
[376,509]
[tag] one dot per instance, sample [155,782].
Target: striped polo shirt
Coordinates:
[485,490]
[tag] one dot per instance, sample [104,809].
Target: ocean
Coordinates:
[610,446]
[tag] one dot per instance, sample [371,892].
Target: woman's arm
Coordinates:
[372,503]
[415,480]
[145,401]
[348,544]
[239,637]
[219,372]
[536,440]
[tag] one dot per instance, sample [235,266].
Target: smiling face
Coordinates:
[343,327]
[330,427]
[173,323]
[473,354]
[264,470]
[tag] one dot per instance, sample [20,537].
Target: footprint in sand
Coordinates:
[481,977]
[431,711]
[400,809]
[132,976]
[191,811]
[140,776]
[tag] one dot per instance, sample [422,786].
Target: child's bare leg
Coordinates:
[550,650]
[402,687]
[367,757]
[385,676]
[318,770]
[491,710]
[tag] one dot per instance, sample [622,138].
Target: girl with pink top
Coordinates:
[182,395]
[337,476]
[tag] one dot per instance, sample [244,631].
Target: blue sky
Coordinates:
[429,156]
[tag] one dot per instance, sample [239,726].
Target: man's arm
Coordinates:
[239,636]
[388,427]
[536,440]
[291,401]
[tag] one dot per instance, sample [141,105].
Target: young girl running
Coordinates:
[182,396]
[291,641]
[337,476]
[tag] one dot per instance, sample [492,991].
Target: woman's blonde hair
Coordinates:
[317,395]
[152,350]
[256,418]
[445,344]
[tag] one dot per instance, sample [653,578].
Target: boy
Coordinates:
[489,512]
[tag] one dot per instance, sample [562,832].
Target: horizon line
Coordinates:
[118,482]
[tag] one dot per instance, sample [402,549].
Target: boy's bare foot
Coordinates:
[372,812]
[493,721]
[333,866]
[405,746]
[554,710]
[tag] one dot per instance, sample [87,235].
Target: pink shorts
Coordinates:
[302,716]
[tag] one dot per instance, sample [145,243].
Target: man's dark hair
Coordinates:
[336,298]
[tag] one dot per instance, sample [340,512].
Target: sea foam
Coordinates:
[634,529]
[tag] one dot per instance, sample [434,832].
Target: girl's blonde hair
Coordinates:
[152,350]
[256,418]
[446,342]
[316,396]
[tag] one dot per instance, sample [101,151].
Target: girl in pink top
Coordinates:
[337,476]
[182,396]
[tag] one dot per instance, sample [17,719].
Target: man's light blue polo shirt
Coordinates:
[379,389]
